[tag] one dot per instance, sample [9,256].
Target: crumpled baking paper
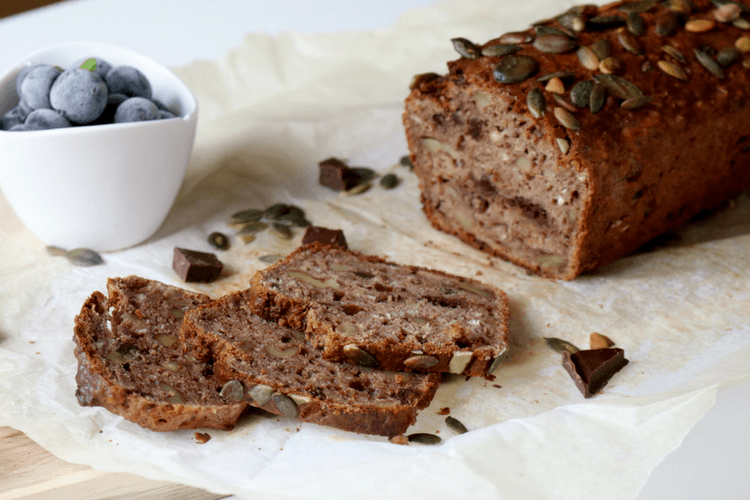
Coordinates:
[269,111]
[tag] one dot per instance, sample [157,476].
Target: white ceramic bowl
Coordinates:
[103,187]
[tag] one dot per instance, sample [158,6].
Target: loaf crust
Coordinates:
[561,201]
[258,355]
[401,317]
[124,368]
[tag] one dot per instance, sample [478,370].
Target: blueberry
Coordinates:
[136,109]
[22,74]
[19,128]
[108,116]
[79,95]
[102,66]
[129,81]
[164,114]
[15,116]
[44,119]
[36,86]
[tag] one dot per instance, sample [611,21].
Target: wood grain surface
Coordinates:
[28,471]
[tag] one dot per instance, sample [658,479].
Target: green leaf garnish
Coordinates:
[89,64]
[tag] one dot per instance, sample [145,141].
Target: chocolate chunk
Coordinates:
[336,175]
[591,369]
[191,265]
[325,236]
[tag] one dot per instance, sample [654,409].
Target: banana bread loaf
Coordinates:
[130,360]
[274,368]
[568,145]
[362,309]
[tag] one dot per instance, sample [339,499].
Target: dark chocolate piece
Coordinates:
[325,236]
[591,369]
[336,175]
[192,265]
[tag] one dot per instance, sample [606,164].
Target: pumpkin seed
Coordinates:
[405,161]
[635,102]
[459,361]
[285,405]
[565,103]
[554,43]
[421,362]
[165,339]
[497,361]
[672,69]
[246,238]
[555,86]
[389,181]
[282,230]
[435,146]
[562,75]
[673,52]
[635,24]
[348,329]
[270,258]
[424,438]
[561,345]
[282,353]
[741,23]
[252,227]
[400,439]
[233,391]
[365,174]
[727,13]
[551,260]
[56,251]
[563,145]
[329,283]
[455,425]
[548,30]
[588,58]
[629,42]
[639,6]
[605,22]
[602,48]
[419,80]
[474,289]
[249,215]
[516,37]
[599,341]
[580,94]
[743,44]
[466,48]
[116,357]
[359,356]
[174,396]
[218,240]
[610,65]
[618,86]
[597,98]
[84,257]
[536,102]
[728,56]
[260,394]
[709,63]
[358,189]
[667,23]
[501,49]
[276,210]
[699,25]
[177,313]
[515,69]
[172,366]
[679,6]
[573,21]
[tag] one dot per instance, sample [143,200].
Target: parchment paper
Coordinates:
[270,110]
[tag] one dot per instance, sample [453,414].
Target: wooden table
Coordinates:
[29,472]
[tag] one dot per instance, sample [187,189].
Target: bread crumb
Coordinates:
[444,411]
[202,437]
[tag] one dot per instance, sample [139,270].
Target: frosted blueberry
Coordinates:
[136,109]
[108,116]
[164,114]
[129,81]
[36,86]
[45,119]
[15,116]
[19,128]
[79,95]
[22,74]
[102,66]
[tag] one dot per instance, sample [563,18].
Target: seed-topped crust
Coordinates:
[665,135]
[356,307]
[131,362]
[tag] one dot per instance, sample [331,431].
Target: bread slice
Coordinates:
[130,360]
[362,309]
[274,368]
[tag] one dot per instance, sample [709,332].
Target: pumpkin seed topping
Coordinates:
[743,44]
[635,24]
[672,69]
[556,86]
[635,102]
[561,345]
[455,425]
[580,94]
[246,238]
[679,6]
[466,48]
[536,102]
[602,48]
[605,22]
[252,227]
[389,181]
[554,43]
[233,391]
[270,258]
[56,251]
[709,63]
[84,257]
[574,21]
[673,52]
[610,65]
[459,361]
[667,23]
[598,97]
[421,362]
[501,49]
[497,361]
[563,145]
[359,356]
[282,353]
[260,394]
[619,86]
[699,25]
[285,405]
[515,69]
[562,75]
[629,42]
[588,58]
[565,103]
[358,189]
[639,6]
[741,23]
[516,37]
[419,80]
[424,438]
[728,56]
[249,215]
[727,13]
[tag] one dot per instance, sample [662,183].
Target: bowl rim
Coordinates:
[7,79]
